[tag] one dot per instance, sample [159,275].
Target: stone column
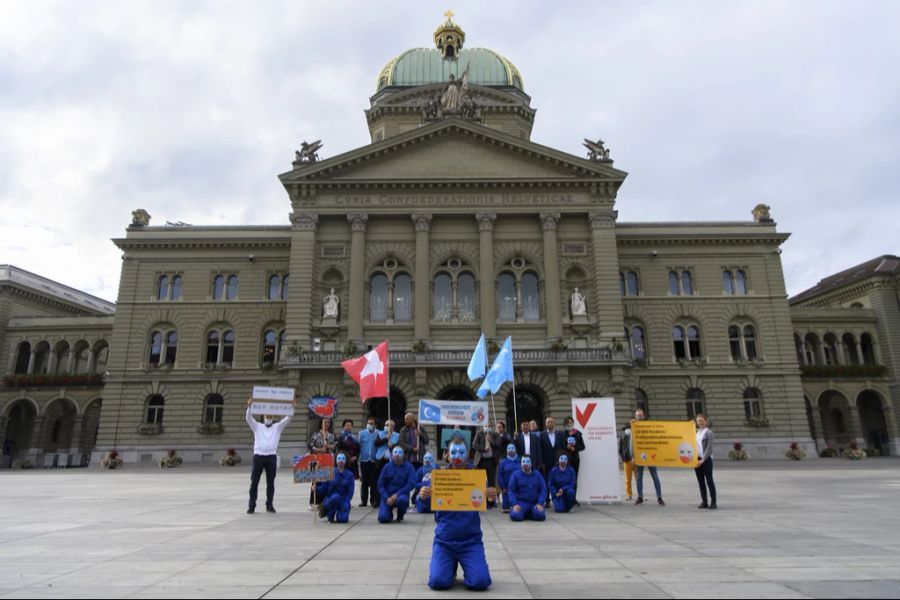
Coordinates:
[607,304]
[486,264]
[31,358]
[549,223]
[70,368]
[422,305]
[357,301]
[75,443]
[299,305]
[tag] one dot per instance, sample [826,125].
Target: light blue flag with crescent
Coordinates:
[501,371]
[478,363]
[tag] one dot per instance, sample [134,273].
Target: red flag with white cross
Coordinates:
[370,371]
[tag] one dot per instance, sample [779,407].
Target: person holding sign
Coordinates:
[508,466]
[639,416]
[562,486]
[527,491]
[396,481]
[338,492]
[423,480]
[266,436]
[704,469]
[457,540]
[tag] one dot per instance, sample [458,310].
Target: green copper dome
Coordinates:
[424,66]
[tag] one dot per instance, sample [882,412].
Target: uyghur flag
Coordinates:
[478,364]
[501,371]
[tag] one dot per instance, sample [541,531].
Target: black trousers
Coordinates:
[489,465]
[260,463]
[704,475]
[368,477]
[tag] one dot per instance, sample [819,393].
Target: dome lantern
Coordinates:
[449,37]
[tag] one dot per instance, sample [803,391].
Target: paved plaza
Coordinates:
[825,528]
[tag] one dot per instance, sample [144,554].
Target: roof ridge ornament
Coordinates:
[308,153]
[597,151]
[449,37]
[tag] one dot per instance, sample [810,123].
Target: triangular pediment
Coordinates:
[453,149]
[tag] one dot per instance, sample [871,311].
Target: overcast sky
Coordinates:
[191,109]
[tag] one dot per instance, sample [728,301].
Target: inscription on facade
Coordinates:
[454,200]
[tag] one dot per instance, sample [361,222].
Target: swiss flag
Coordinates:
[370,371]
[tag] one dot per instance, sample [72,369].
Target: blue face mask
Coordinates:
[429,459]
[458,454]
[526,464]
[341,461]
[511,451]
[398,455]
[563,462]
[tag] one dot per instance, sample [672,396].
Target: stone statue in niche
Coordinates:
[579,309]
[330,305]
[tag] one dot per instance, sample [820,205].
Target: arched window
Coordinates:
[23,357]
[171,347]
[270,347]
[621,283]
[232,291]
[443,297]
[213,409]
[177,285]
[228,348]
[641,402]
[734,342]
[218,287]
[851,348]
[638,343]
[274,287]
[829,348]
[868,349]
[728,282]
[678,341]
[687,283]
[155,409]
[506,297]
[798,346]
[811,347]
[465,297]
[284,287]
[402,297]
[750,342]
[156,340]
[378,297]
[162,288]
[740,279]
[632,285]
[212,347]
[531,305]
[673,283]
[695,398]
[282,338]
[752,404]
[694,341]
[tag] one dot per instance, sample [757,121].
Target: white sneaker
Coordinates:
[310,508]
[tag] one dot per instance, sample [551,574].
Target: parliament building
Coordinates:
[450,223]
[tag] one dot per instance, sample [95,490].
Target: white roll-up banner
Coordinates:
[598,472]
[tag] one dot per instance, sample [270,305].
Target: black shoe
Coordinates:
[251,510]
[661,501]
[399,519]
[363,505]
[323,512]
[639,501]
[270,509]
[704,505]
[712,506]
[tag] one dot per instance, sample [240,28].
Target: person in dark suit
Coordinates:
[553,445]
[528,443]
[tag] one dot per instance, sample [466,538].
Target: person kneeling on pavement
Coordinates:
[527,491]
[394,485]
[338,493]
[457,540]
[423,480]
[562,485]
[508,466]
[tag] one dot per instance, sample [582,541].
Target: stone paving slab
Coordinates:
[823,528]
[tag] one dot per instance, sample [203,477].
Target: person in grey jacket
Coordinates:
[413,440]
[704,469]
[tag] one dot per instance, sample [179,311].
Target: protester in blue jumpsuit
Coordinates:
[508,466]
[423,479]
[527,491]
[562,485]
[394,485]
[338,493]
[457,541]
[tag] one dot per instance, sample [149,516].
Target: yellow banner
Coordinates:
[664,443]
[459,489]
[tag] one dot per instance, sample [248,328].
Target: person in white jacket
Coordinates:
[266,436]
